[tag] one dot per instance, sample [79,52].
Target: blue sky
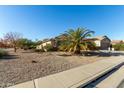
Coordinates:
[39,22]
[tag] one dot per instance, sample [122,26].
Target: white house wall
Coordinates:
[43,44]
[98,43]
[49,42]
[39,47]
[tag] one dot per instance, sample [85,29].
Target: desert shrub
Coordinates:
[26,44]
[63,47]
[49,47]
[2,53]
[119,47]
[91,46]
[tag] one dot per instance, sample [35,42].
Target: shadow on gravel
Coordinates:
[8,57]
[99,54]
[28,51]
[65,55]
[103,54]
[93,53]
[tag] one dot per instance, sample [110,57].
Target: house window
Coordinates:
[97,43]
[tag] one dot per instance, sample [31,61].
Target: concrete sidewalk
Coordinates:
[114,80]
[77,77]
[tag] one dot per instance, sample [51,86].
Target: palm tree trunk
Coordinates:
[77,50]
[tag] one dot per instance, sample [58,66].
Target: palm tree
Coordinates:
[75,40]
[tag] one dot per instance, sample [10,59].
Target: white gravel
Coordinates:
[18,67]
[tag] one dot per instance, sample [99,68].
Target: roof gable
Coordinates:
[101,38]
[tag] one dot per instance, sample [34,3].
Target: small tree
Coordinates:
[25,43]
[12,38]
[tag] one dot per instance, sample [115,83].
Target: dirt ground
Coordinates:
[25,65]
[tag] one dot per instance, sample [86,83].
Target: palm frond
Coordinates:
[74,39]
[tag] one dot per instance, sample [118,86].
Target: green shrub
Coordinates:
[62,47]
[26,44]
[119,47]
[2,53]
[49,47]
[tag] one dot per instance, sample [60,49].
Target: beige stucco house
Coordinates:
[43,44]
[101,42]
[46,42]
[114,42]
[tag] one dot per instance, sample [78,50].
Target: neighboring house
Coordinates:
[54,41]
[47,42]
[39,46]
[101,42]
[114,42]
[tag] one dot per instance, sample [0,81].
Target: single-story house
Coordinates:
[47,42]
[114,42]
[101,42]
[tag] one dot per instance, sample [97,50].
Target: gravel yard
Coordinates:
[18,67]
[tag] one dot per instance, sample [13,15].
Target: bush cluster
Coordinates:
[2,53]
[119,47]
[49,47]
